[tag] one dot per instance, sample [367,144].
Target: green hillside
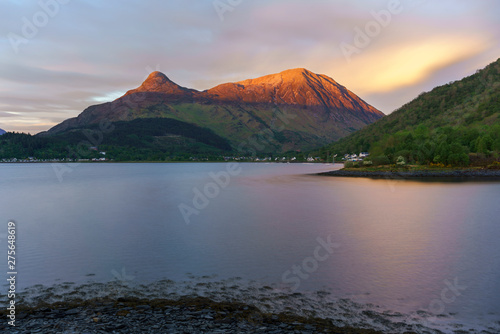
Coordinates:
[455,124]
[274,129]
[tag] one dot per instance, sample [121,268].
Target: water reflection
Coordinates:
[398,242]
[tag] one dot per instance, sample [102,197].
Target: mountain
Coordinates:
[2,132]
[297,87]
[457,119]
[292,110]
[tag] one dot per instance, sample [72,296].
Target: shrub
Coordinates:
[352,164]
[401,161]
[494,165]
[348,164]
[437,160]
[406,154]
[461,159]
[479,160]
[381,160]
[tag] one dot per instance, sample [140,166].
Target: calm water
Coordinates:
[398,245]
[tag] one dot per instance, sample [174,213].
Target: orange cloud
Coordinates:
[397,66]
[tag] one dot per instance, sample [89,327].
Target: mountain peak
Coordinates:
[297,72]
[287,76]
[157,76]
[157,82]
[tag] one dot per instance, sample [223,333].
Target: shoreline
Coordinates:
[205,305]
[163,162]
[190,314]
[467,174]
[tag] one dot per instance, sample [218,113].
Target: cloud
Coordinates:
[409,63]
[92,50]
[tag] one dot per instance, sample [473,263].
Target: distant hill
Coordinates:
[160,139]
[291,110]
[2,132]
[151,139]
[441,126]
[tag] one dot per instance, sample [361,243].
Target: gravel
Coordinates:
[198,315]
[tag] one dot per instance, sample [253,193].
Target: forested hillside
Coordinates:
[156,139]
[455,124]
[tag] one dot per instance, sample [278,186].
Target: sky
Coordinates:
[57,57]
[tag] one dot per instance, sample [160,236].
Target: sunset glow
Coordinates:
[57,61]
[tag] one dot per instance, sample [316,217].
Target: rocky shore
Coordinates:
[483,174]
[130,315]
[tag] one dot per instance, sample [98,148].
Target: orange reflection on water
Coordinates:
[399,238]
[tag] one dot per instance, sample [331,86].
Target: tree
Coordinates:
[458,159]
[483,144]
[426,152]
